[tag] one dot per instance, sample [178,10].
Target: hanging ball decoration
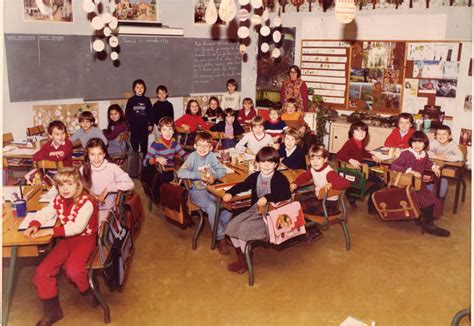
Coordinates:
[113,41]
[227,10]
[107,17]
[244,2]
[276,53]
[265,30]
[264,47]
[242,49]
[243,15]
[243,32]
[277,21]
[107,31]
[256,19]
[211,13]
[97,23]
[114,56]
[98,46]
[96,2]
[113,23]
[265,15]
[256,3]
[276,36]
[88,6]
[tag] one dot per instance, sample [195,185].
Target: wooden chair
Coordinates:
[48,165]
[192,208]
[7,138]
[357,177]
[123,138]
[35,131]
[457,174]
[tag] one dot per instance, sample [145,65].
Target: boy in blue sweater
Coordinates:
[203,168]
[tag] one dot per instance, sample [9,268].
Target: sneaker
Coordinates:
[222,247]
[437,231]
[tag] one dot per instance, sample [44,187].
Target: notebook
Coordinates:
[31,216]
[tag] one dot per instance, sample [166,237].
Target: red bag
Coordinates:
[133,211]
[175,204]
[395,204]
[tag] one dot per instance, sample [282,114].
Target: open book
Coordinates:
[31,216]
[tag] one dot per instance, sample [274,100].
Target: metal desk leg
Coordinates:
[8,292]
[456,197]
[216,223]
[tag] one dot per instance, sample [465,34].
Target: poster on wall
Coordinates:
[271,73]
[136,10]
[67,113]
[466,137]
[200,12]
[468,103]
[48,10]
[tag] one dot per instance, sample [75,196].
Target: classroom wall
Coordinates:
[434,24]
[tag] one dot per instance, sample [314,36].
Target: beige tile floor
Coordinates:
[393,275]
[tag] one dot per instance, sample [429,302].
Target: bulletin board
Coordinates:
[67,113]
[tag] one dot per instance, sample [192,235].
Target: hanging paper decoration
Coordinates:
[265,30]
[243,32]
[276,53]
[256,19]
[345,11]
[211,13]
[244,2]
[227,10]
[242,49]
[276,36]
[98,46]
[243,15]
[114,56]
[265,15]
[97,23]
[277,21]
[88,6]
[257,3]
[264,47]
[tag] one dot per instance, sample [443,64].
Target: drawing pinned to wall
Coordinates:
[411,87]
[465,137]
[67,113]
[137,10]
[468,103]
[48,10]
[200,12]
[433,51]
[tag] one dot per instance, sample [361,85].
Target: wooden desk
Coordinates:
[15,244]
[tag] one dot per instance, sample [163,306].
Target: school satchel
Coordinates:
[133,211]
[174,204]
[117,262]
[357,178]
[393,204]
[285,222]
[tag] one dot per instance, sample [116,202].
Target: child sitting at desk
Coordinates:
[274,126]
[88,130]
[214,112]
[291,153]
[268,185]
[231,99]
[77,213]
[192,120]
[293,118]
[256,139]
[247,113]
[203,168]
[116,126]
[230,127]
[58,148]
[400,136]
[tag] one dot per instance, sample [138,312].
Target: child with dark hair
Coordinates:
[267,185]
[230,127]
[116,126]
[58,148]
[192,119]
[256,139]
[139,116]
[214,112]
[88,130]
[231,99]
[291,153]
[400,135]
[274,126]
[162,107]
[247,113]
[415,161]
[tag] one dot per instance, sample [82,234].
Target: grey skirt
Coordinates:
[248,225]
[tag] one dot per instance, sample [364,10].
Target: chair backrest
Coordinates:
[35,131]
[329,193]
[7,138]
[463,149]
[49,165]
[363,167]
[400,179]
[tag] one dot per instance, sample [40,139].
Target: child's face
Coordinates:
[213,104]
[68,188]
[418,146]
[202,148]
[360,134]
[114,115]
[231,88]
[194,108]
[317,161]
[162,95]
[443,136]
[258,130]
[404,124]
[58,136]
[290,142]
[85,125]
[167,132]
[96,156]
[273,115]
[139,89]
[247,105]
[267,167]
[290,108]
[230,119]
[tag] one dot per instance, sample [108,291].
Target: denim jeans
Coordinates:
[443,187]
[207,203]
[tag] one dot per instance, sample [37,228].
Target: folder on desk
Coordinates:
[31,216]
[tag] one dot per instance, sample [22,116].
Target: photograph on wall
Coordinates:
[446,88]
[48,10]
[365,75]
[411,87]
[427,86]
[466,137]
[376,54]
[67,113]
[433,51]
[200,12]
[470,68]
[468,103]
[137,10]
[271,72]
[300,5]
[435,69]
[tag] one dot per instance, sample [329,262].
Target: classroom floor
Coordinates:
[393,275]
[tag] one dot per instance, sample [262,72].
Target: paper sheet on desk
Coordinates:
[23,151]
[49,196]
[7,193]
[381,156]
[248,192]
[228,170]
[31,216]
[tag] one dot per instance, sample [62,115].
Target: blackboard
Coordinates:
[69,68]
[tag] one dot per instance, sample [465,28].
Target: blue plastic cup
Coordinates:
[20,207]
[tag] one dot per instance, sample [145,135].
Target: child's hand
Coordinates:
[42,233]
[209,179]
[293,187]
[436,170]
[276,146]
[227,197]
[354,163]
[102,195]
[262,202]
[57,154]
[161,160]
[30,231]
[249,151]
[416,174]
[328,186]
[186,128]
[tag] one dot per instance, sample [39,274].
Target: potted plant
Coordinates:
[322,117]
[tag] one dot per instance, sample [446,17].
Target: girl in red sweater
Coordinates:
[400,136]
[58,148]
[192,120]
[77,213]
[247,113]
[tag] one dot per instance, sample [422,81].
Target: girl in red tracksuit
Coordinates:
[77,213]
[191,121]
